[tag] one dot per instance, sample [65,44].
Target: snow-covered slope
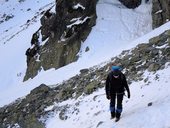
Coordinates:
[15,37]
[117,29]
[93,110]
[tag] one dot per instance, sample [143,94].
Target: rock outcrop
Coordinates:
[29,112]
[58,40]
[131,3]
[160,12]
[26,112]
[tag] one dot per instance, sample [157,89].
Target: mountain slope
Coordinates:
[15,37]
[146,91]
[104,42]
[149,103]
[136,112]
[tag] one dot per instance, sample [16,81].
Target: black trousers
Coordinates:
[116,98]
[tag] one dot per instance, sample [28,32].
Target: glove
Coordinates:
[129,95]
[108,97]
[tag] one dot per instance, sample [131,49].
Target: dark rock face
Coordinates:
[160,12]
[131,3]
[26,112]
[62,32]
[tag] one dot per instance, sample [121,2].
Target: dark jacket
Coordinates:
[116,85]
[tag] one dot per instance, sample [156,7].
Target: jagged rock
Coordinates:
[84,71]
[65,93]
[6,17]
[150,104]
[87,49]
[26,112]
[131,3]
[62,114]
[160,12]
[91,87]
[46,22]
[153,67]
[41,89]
[62,33]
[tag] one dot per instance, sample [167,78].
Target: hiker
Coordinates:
[115,87]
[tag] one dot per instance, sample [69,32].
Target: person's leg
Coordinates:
[119,105]
[112,105]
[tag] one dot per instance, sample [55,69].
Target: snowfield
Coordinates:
[117,28]
[137,113]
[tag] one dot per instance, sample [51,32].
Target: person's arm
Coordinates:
[107,87]
[126,86]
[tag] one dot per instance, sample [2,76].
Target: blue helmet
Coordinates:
[116,68]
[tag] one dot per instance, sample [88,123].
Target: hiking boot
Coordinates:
[117,119]
[112,115]
[118,115]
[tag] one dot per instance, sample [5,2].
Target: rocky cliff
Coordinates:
[29,112]
[59,38]
[160,12]
[131,3]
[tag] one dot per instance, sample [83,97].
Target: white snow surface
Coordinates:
[117,28]
[94,109]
